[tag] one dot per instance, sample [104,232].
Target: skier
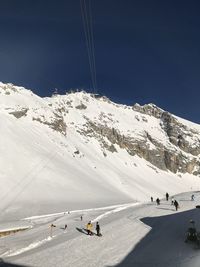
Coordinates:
[81,217]
[89,228]
[176,204]
[172,203]
[158,201]
[98,229]
[167,196]
[151,199]
[51,229]
[192,197]
[65,227]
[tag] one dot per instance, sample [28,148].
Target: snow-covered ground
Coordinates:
[132,235]
[55,168]
[43,170]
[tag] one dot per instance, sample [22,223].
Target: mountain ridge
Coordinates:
[73,149]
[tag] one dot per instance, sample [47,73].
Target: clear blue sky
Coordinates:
[146,50]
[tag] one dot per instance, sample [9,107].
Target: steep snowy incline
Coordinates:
[38,171]
[81,151]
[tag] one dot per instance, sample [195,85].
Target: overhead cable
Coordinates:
[86,13]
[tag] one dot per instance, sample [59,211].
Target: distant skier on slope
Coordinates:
[167,196]
[151,199]
[176,204]
[172,203]
[51,229]
[192,197]
[158,201]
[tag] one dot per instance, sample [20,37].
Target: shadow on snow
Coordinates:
[163,245]
[7,264]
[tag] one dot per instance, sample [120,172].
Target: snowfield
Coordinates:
[54,168]
[43,170]
[128,238]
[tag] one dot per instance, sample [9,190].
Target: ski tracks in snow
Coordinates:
[48,218]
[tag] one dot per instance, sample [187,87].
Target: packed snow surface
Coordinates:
[132,235]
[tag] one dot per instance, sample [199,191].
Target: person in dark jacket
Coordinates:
[167,196]
[158,201]
[98,229]
[151,199]
[176,204]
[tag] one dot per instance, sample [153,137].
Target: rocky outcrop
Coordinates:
[178,134]
[19,113]
[57,123]
[8,88]
[149,109]
[81,106]
[173,160]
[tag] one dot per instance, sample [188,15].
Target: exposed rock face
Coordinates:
[56,124]
[81,106]
[20,113]
[181,157]
[178,133]
[149,109]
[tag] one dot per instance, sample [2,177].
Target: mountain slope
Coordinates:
[81,150]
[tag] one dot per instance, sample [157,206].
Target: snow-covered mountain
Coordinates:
[81,150]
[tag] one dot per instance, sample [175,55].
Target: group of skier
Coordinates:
[173,201]
[89,227]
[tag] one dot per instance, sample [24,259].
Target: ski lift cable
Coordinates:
[86,13]
[90,30]
[87,38]
[93,47]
